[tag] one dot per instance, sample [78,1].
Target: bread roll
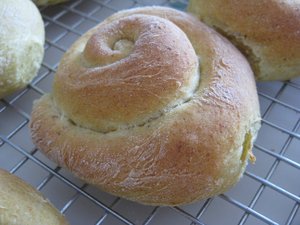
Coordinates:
[266,31]
[153,106]
[22,204]
[21,44]
[47,2]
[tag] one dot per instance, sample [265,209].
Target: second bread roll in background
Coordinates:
[22,37]
[266,31]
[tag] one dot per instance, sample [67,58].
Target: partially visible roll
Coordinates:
[48,2]
[22,38]
[22,204]
[266,31]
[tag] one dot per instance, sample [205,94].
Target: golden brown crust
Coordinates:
[22,204]
[188,151]
[266,31]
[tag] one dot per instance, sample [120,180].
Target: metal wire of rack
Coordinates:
[269,192]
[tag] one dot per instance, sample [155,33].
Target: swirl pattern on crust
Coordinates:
[153,106]
[148,55]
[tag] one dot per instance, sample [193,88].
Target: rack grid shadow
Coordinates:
[268,193]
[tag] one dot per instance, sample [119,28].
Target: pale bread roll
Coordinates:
[266,31]
[153,106]
[21,44]
[21,204]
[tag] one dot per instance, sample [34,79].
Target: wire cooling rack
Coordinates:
[268,193]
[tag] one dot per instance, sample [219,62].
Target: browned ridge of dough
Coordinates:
[153,106]
[267,32]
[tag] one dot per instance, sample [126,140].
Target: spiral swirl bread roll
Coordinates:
[153,106]
[20,203]
[266,31]
[21,44]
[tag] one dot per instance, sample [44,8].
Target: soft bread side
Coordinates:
[22,38]
[20,204]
